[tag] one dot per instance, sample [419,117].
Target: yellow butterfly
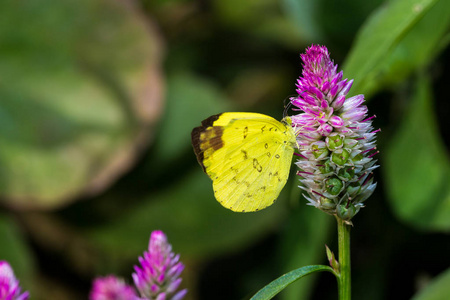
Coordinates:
[247,156]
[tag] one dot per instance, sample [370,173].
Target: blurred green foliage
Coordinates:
[97,101]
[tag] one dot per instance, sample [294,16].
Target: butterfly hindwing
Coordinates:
[248,157]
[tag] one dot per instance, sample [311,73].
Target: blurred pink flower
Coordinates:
[111,288]
[158,276]
[9,285]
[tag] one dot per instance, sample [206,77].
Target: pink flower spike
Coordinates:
[353,102]
[154,288]
[318,93]
[370,118]
[337,77]
[333,91]
[9,285]
[161,296]
[338,102]
[335,139]
[325,87]
[346,88]
[336,121]
[373,154]
[159,276]
[111,288]
[355,115]
[299,155]
[308,99]
[180,295]
[325,129]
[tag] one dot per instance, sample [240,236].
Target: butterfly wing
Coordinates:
[248,157]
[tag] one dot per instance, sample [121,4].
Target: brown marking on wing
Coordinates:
[214,137]
[206,136]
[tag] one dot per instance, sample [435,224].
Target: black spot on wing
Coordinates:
[245,132]
[216,141]
[236,171]
[244,182]
[256,165]
[277,176]
[244,153]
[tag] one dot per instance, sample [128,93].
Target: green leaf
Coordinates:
[316,19]
[437,289]
[276,286]
[417,167]
[417,48]
[80,89]
[378,38]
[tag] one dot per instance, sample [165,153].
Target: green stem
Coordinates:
[344,260]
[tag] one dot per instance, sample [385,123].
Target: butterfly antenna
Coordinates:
[288,105]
